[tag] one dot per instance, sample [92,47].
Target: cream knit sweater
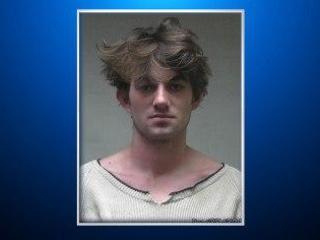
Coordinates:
[104,198]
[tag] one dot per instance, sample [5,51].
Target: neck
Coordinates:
[158,157]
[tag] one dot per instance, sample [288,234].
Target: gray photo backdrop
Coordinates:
[215,127]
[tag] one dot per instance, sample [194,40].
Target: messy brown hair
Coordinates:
[169,44]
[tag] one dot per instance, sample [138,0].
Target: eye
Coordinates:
[146,88]
[175,87]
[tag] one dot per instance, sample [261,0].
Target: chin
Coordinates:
[159,138]
[161,134]
[158,133]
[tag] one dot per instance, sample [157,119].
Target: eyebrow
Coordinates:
[176,78]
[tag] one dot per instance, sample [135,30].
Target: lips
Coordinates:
[159,115]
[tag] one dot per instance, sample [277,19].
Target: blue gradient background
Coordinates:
[38,121]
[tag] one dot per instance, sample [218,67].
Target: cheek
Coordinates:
[186,105]
[137,105]
[188,110]
[185,109]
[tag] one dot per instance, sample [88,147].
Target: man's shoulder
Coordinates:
[93,168]
[92,176]
[86,169]
[233,176]
[204,163]
[114,162]
[233,171]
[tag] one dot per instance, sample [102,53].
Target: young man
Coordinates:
[161,76]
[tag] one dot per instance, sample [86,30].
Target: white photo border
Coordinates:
[242,12]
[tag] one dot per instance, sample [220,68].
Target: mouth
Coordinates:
[161,116]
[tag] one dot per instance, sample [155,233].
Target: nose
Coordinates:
[161,100]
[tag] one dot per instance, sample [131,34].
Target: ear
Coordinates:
[123,98]
[196,103]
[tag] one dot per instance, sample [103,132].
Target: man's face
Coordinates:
[160,108]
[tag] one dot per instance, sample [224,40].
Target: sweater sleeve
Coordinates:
[88,209]
[235,179]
